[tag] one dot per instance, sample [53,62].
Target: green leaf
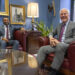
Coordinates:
[42,28]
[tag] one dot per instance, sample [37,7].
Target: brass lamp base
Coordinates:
[32,23]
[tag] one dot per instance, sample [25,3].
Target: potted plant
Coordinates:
[45,32]
[43,29]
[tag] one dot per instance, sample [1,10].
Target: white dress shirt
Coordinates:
[6,32]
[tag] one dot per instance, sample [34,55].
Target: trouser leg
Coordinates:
[14,43]
[59,51]
[59,56]
[2,44]
[43,51]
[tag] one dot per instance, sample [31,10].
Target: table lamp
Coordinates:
[32,11]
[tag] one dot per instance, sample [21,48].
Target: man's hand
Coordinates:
[22,29]
[56,41]
[5,39]
[53,41]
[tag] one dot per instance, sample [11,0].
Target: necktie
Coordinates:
[61,33]
[7,36]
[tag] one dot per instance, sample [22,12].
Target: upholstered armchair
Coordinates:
[68,66]
[19,37]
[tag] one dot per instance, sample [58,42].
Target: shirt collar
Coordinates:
[66,22]
[5,26]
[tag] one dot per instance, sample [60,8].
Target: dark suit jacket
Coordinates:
[70,32]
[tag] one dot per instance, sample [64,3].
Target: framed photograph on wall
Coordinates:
[4,7]
[17,14]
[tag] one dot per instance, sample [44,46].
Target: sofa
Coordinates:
[68,66]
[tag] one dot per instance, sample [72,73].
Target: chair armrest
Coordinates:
[71,56]
[43,41]
[19,35]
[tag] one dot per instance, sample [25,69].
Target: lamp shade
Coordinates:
[33,10]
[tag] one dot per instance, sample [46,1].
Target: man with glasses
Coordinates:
[65,32]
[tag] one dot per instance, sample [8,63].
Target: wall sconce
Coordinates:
[33,11]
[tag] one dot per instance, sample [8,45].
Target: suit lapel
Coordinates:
[3,29]
[59,29]
[67,30]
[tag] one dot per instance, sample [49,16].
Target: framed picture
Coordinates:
[18,57]
[54,7]
[4,7]
[17,14]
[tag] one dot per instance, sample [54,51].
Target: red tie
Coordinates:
[61,33]
[7,33]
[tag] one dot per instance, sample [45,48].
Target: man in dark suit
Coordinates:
[65,32]
[6,35]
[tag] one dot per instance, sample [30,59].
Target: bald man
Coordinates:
[6,36]
[65,32]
